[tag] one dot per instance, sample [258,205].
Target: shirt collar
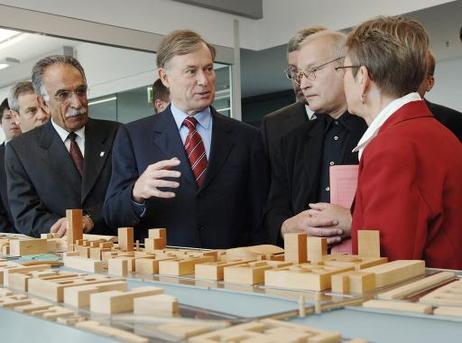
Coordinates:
[381,118]
[203,117]
[63,134]
[310,114]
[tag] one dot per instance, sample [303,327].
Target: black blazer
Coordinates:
[296,172]
[277,124]
[449,117]
[43,181]
[223,213]
[6,220]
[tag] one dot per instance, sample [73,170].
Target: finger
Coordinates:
[324,232]
[165,184]
[320,206]
[159,174]
[160,194]
[173,162]
[62,230]
[319,221]
[312,212]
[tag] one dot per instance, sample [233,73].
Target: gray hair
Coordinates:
[335,40]
[15,91]
[296,41]
[44,63]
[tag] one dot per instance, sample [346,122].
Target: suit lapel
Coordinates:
[97,149]
[168,140]
[60,163]
[220,147]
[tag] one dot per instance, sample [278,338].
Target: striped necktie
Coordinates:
[195,150]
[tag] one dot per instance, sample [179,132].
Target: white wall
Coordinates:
[448,84]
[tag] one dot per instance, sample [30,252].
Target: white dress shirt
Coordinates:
[63,134]
[381,118]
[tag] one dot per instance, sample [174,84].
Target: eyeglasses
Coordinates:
[346,67]
[311,74]
[290,72]
[64,95]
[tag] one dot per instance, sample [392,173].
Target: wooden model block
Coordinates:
[118,266]
[181,266]
[110,331]
[158,233]
[417,286]
[117,302]
[353,282]
[71,320]
[398,306]
[153,244]
[396,271]
[85,264]
[35,305]
[153,305]
[305,277]
[54,289]
[6,272]
[74,226]
[295,245]
[80,296]
[106,245]
[214,270]
[369,243]
[12,301]
[107,255]
[22,247]
[125,238]
[448,311]
[251,273]
[83,251]
[253,252]
[317,248]
[181,331]
[148,265]
[358,262]
[447,295]
[53,313]
[5,292]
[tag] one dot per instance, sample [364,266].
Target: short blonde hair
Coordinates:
[181,42]
[394,51]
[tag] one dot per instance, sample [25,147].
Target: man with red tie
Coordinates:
[188,169]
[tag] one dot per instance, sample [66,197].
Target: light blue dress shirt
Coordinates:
[204,126]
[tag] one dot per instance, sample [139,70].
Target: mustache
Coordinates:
[76,112]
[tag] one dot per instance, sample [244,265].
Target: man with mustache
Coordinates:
[65,163]
[188,169]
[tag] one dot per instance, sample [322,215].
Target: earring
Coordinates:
[363,98]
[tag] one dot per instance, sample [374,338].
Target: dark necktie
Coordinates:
[195,150]
[75,153]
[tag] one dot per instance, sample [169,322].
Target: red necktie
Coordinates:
[195,150]
[75,153]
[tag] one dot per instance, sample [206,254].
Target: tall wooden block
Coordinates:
[74,226]
[126,238]
[295,247]
[85,264]
[118,266]
[158,233]
[368,243]
[317,248]
[153,244]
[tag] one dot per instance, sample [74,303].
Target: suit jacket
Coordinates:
[223,213]
[6,220]
[295,176]
[450,118]
[410,189]
[277,124]
[43,181]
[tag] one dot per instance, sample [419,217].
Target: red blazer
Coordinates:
[410,188]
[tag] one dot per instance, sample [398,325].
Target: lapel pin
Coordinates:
[101,154]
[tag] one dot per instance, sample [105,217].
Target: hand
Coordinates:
[59,228]
[148,183]
[323,212]
[305,222]
[88,224]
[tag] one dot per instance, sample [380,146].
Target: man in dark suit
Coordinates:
[449,117]
[160,96]
[277,124]
[65,163]
[11,130]
[188,169]
[300,174]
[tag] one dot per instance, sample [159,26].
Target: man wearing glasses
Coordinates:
[300,173]
[279,123]
[65,163]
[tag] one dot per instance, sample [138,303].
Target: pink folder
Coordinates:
[343,184]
